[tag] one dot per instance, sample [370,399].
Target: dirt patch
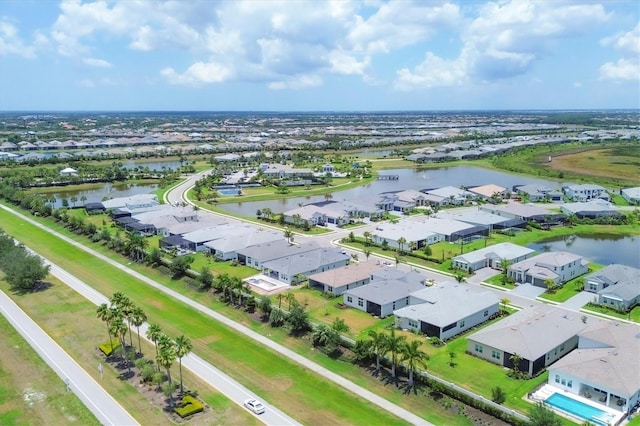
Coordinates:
[597,162]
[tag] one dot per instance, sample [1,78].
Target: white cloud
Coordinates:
[623,69]
[296,82]
[95,62]
[197,74]
[12,44]
[505,40]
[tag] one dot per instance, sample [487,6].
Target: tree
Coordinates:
[459,276]
[339,325]
[119,328]
[504,266]
[183,347]
[504,302]
[497,395]
[24,271]
[153,333]
[276,318]
[298,320]
[291,300]
[515,359]
[165,359]
[394,344]
[367,253]
[401,242]
[413,356]
[205,279]
[377,345]
[104,313]
[551,285]
[288,234]
[138,317]
[180,265]
[367,238]
[74,200]
[326,337]
[539,415]
[427,250]
[265,306]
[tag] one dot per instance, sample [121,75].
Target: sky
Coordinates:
[315,55]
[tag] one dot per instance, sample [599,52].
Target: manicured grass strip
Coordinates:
[309,398]
[30,392]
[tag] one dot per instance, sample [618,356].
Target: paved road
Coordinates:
[207,372]
[96,399]
[358,390]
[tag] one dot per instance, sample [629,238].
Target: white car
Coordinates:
[254,405]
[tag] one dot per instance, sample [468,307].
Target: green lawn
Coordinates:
[634,315]
[570,288]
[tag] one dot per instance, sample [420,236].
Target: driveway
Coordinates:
[527,290]
[578,301]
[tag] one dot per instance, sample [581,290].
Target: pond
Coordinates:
[408,179]
[599,248]
[101,192]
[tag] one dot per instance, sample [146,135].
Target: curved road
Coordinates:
[94,397]
[282,350]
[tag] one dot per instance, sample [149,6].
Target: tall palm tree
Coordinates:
[377,344]
[394,344]
[367,237]
[413,356]
[119,328]
[504,302]
[288,234]
[105,314]
[138,317]
[153,333]
[165,359]
[401,242]
[183,347]
[367,253]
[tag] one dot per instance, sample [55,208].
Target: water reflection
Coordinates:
[599,248]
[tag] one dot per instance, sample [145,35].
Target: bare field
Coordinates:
[614,163]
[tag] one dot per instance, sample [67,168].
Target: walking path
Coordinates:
[352,387]
[95,398]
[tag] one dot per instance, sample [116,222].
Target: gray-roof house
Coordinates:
[254,256]
[528,212]
[133,202]
[585,192]
[590,209]
[559,266]
[446,309]
[388,290]
[539,193]
[337,281]
[617,286]
[195,240]
[604,368]
[632,195]
[538,336]
[492,257]
[448,195]
[289,268]
[476,216]
[236,238]
[611,275]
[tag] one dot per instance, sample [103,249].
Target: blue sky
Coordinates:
[296,55]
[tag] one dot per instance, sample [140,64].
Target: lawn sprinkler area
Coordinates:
[266,285]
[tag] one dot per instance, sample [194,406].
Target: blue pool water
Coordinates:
[578,409]
[232,191]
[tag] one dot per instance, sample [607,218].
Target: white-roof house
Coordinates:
[604,368]
[538,336]
[492,256]
[632,195]
[446,309]
[559,266]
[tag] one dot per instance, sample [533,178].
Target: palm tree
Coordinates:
[280,297]
[504,266]
[153,333]
[504,302]
[459,276]
[291,300]
[165,359]
[183,347]
[394,344]
[105,314]
[367,253]
[515,359]
[367,237]
[377,345]
[119,328]
[401,242]
[288,234]
[138,317]
[413,356]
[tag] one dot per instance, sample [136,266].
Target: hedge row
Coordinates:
[188,406]
[108,348]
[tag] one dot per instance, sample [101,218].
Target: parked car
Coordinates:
[254,405]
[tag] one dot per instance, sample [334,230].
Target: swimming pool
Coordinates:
[230,191]
[579,409]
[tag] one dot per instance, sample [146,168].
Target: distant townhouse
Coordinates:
[388,290]
[539,193]
[558,266]
[337,281]
[590,209]
[492,257]
[585,192]
[536,337]
[605,367]
[632,195]
[446,309]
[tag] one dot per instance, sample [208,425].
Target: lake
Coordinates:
[408,179]
[603,249]
[98,194]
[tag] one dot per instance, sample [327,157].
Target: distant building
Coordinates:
[585,192]
[632,195]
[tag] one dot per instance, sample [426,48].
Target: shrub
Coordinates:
[107,348]
[147,373]
[188,406]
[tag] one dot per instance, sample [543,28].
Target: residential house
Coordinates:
[535,337]
[309,214]
[489,192]
[610,275]
[337,281]
[616,286]
[284,171]
[492,257]
[585,192]
[446,309]
[388,290]
[558,266]
[632,195]
[255,256]
[526,212]
[539,193]
[475,216]
[237,238]
[290,269]
[133,202]
[590,209]
[448,195]
[605,367]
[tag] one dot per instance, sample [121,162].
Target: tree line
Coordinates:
[23,270]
